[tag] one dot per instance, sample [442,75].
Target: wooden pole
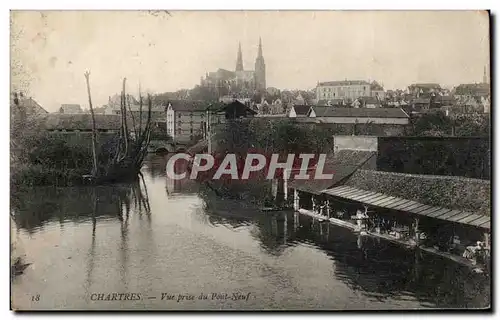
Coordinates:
[417,235]
[209,129]
[328,208]
[296,200]
[124,112]
[94,135]
[285,227]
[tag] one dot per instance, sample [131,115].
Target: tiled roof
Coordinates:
[444,191]
[71,108]
[425,85]
[369,100]
[332,102]
[402,204]
[480,89]
[83,121]
[341,164]
[301,109]
[344,83]
[360,112]
[137,108]
[445,99]
[32,107]
[188,105]
[422,100]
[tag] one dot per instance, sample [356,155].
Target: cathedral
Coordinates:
[240,81]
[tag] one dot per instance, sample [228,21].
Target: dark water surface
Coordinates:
[178,238]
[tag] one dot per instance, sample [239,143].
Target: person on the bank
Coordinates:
[360,216]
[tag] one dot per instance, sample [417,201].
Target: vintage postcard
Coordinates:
[250,160]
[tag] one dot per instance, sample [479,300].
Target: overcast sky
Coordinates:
[52,49]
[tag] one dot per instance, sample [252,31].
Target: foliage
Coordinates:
[434,123]
[443,191]
[273,136]
[473,124]
[266,137]
[435,155]
[463,125]
[37,175]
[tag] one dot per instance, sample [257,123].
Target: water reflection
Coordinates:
[34,208]
[384,270]
[153,234]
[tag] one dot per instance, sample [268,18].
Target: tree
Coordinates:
[436,123]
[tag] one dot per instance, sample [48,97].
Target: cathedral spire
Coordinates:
[260,48]
[239,59]
[260,69]
[485,77]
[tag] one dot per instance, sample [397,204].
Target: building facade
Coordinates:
[348,90]
[239,81]
[187,121]
[70,109]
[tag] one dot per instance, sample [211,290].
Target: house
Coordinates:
[70,109]
[347,89]
[425,89]
[358,115]
[472,89]
[298,111]
[366,102]
[332,102]
[187,120]
[236,110]
[28,105]
[420,104]
[65,123]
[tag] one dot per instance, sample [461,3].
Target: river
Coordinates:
[174,246]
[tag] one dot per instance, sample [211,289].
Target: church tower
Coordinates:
[239,59]
[485,76]
[260,70]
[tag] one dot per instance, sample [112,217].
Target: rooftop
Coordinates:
[341,164]
[426,85]
[359,112]
[83,121]
[187,105]
[301,109]
[71,108]
[444,191]
[344,83]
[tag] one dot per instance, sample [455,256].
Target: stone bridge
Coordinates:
[162,146]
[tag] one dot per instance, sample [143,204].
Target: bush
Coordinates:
[36,175]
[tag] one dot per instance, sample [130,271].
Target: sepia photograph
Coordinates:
[320,160]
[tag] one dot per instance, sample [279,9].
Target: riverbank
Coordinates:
[182,247]
[17,252]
